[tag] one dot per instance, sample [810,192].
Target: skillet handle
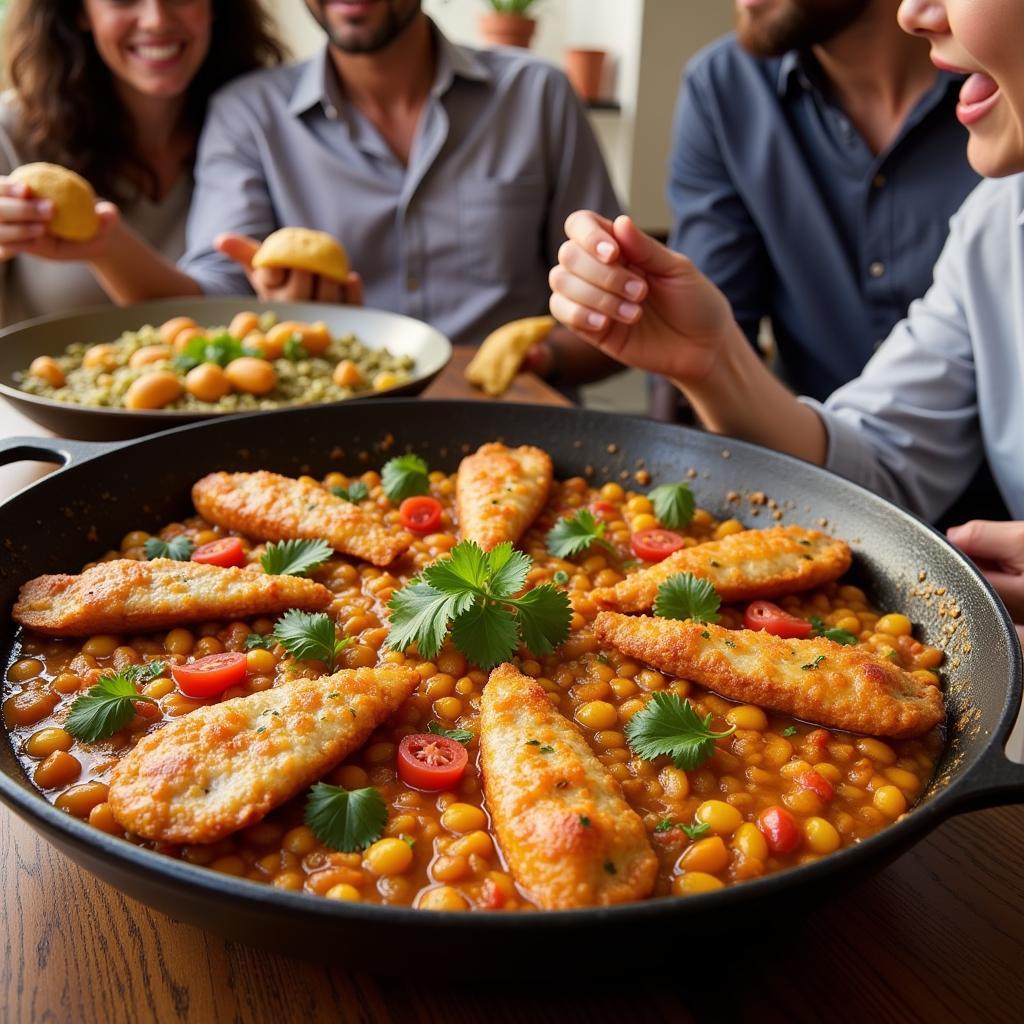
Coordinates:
[995,781]
[50,449]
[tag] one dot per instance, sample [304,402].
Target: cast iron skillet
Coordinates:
[105,490]
[50,335]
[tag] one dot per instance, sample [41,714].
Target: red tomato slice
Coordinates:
[431,762]
[226,552]
[605,511]
[209,676]
[779,829]
[421,514]
[655,545]
[772,619]
[816,783]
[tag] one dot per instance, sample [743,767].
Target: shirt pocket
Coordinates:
[501,229]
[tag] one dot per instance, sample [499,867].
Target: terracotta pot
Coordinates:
[507,29]
[584,69]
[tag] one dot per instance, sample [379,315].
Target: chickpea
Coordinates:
[100,357]
[463,818]
[299,840]
[722,817]
[384,380]
[443,897]
[252,375]
[894,624]
[643,521]
[750,842]
[80,800]
[102,817]
[747,716]
[728,528]
[317,338]
[24,669]
[693,882]
[448,708]
[821,835]
[179,641]
[477,843]
[243,323]
[182,338]
[153,390]
[260,662]
[890,801]
[708,855]
[101,645]
[351,776]
[342,891]
[29,707]
[170,329]
[57,770]
[207,382]
[148,354]
[597,714]
[45,741]
[46,368]
[388,857]
[347,375]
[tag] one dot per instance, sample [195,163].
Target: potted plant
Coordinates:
[508,23]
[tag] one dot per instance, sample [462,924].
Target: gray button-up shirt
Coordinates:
[779,200]
[463,237]
[948,384]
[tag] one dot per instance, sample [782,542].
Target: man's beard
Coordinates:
[393,25]
[803,24]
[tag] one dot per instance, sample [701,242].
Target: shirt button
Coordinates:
[330,111]
[879,181]
[412,283]
[876,269]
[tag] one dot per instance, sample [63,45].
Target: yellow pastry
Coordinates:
[304,249]
[498,359]
[74,201]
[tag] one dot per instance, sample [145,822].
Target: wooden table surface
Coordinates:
[935,937]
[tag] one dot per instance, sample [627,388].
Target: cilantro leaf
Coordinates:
[696,830]
[462,736]
[674,505]
[665,825]
[837,636]
[508,569]
[144,673]
[420,615]
[293,349]
[486,633]
[789,730]
[813,663]
[307,635]
[346,820]
[356,492]
[295,557]
[685,596]
[403,477]
[544,616]
[220,349]
[104,708]
[180,548]
[254,641]
[669,725]
[573,534]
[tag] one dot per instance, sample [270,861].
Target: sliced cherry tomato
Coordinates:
[209,676]
[225,552]
[431,762]
[655,545]
[605,511]
[779,829]
[772,619]
[421,514]
[816,783]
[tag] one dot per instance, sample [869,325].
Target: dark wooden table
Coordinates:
[938,936]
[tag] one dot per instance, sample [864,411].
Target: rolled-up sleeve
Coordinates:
[908,428]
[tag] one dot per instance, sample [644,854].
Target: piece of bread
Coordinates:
[498,359]
[74,201]
[304,249]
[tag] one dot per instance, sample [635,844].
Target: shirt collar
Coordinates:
[317,84]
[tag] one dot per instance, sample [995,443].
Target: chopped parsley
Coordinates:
[838,636]
[669,725]
[179,549]
[105,708]
[346,820]
[573,534]
[462,736]
[685,596]
[674,505]
[696,830]
[813,664]
[404,477]
[295,557]
[307,635]
[356,492]
[665,825]
[790,730]
[254,641]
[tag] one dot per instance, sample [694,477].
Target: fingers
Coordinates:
[327,290]
[593,233]
[354,290]
[1010,587]
[643,252]
[239,248]
[1001,542]
[594,299]
[21,234]
[589,324]
[17,189]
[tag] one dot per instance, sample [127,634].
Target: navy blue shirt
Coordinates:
[778,199]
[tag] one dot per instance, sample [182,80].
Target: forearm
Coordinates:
[574,361]
[742,398]
[131,270]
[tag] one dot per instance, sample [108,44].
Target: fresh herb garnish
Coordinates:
[346,820]
[814,663]
[462,736]
[573,534]
[403,477]
[356,492]
[106,707]
[696,830]
[669,725]
[584,821]
[180,548]
[472,590]
[601,659]
[665,825]
[561,578]
[838,636]
[685,596]
[789,730]
[295,557]
[609,868]
[293,349]
[546,749]
[674,505]
[309,635]
[533,743]
[254,641]
[220,349]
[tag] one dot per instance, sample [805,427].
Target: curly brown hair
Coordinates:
[68,111]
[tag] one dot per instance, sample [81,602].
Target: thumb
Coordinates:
[999,541]
[643,253]
[239,248]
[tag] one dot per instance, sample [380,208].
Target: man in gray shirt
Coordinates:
[446,172]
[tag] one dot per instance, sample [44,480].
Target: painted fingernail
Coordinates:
[605,250]
[595,320]
[44,206]
[634,289]
[628,310]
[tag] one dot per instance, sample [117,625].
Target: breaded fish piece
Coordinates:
[499,491]
[225,766]
[125,596]
[269,506]
[742,567]
[817,680]
[567,832]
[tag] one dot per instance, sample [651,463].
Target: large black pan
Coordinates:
[105,491]
[50,335]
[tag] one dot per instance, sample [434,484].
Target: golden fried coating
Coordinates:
[817,680]
[498,359]
[269,506]
[564,826]
[742,567]
[125,596]
[225,766]
[499,491]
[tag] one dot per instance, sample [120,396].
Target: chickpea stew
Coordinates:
[773,792]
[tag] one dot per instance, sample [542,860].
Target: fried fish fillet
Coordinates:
[817,680]
[269,506]
[499,491]
[568,834]
[742,567]
[225,766]
[125,596]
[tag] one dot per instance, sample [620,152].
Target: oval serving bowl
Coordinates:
[106,490]
[50,335]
